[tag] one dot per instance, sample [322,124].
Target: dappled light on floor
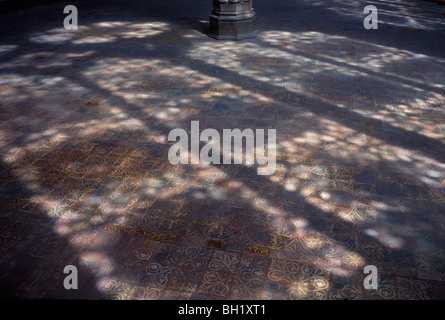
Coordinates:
[85,178]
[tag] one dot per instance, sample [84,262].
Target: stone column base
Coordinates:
[233,20]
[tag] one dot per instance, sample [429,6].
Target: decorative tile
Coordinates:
[176,295]
[226,261]
[196,258]
[144,293]
[114,290]
[216,283]
[158,236]
[246,289]
[292,280]
[185,279]
[412,289]
[156,275]
[212,244]
[258,250]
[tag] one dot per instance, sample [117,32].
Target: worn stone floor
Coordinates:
[85,179]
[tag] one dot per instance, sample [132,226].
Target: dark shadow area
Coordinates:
[32,251]
[11,6]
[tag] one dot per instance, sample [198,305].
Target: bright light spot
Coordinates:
[325,195]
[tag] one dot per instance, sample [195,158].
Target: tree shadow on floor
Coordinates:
[113,176]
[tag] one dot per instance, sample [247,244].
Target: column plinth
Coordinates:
[232,20]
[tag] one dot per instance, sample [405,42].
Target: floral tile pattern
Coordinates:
[85,178]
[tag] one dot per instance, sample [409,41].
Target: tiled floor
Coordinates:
[360,180]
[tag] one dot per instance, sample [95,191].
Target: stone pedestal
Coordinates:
[232,20]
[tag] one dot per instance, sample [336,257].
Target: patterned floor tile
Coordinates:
[85,177]
[216,283]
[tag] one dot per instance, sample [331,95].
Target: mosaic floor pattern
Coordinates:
[360,179]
